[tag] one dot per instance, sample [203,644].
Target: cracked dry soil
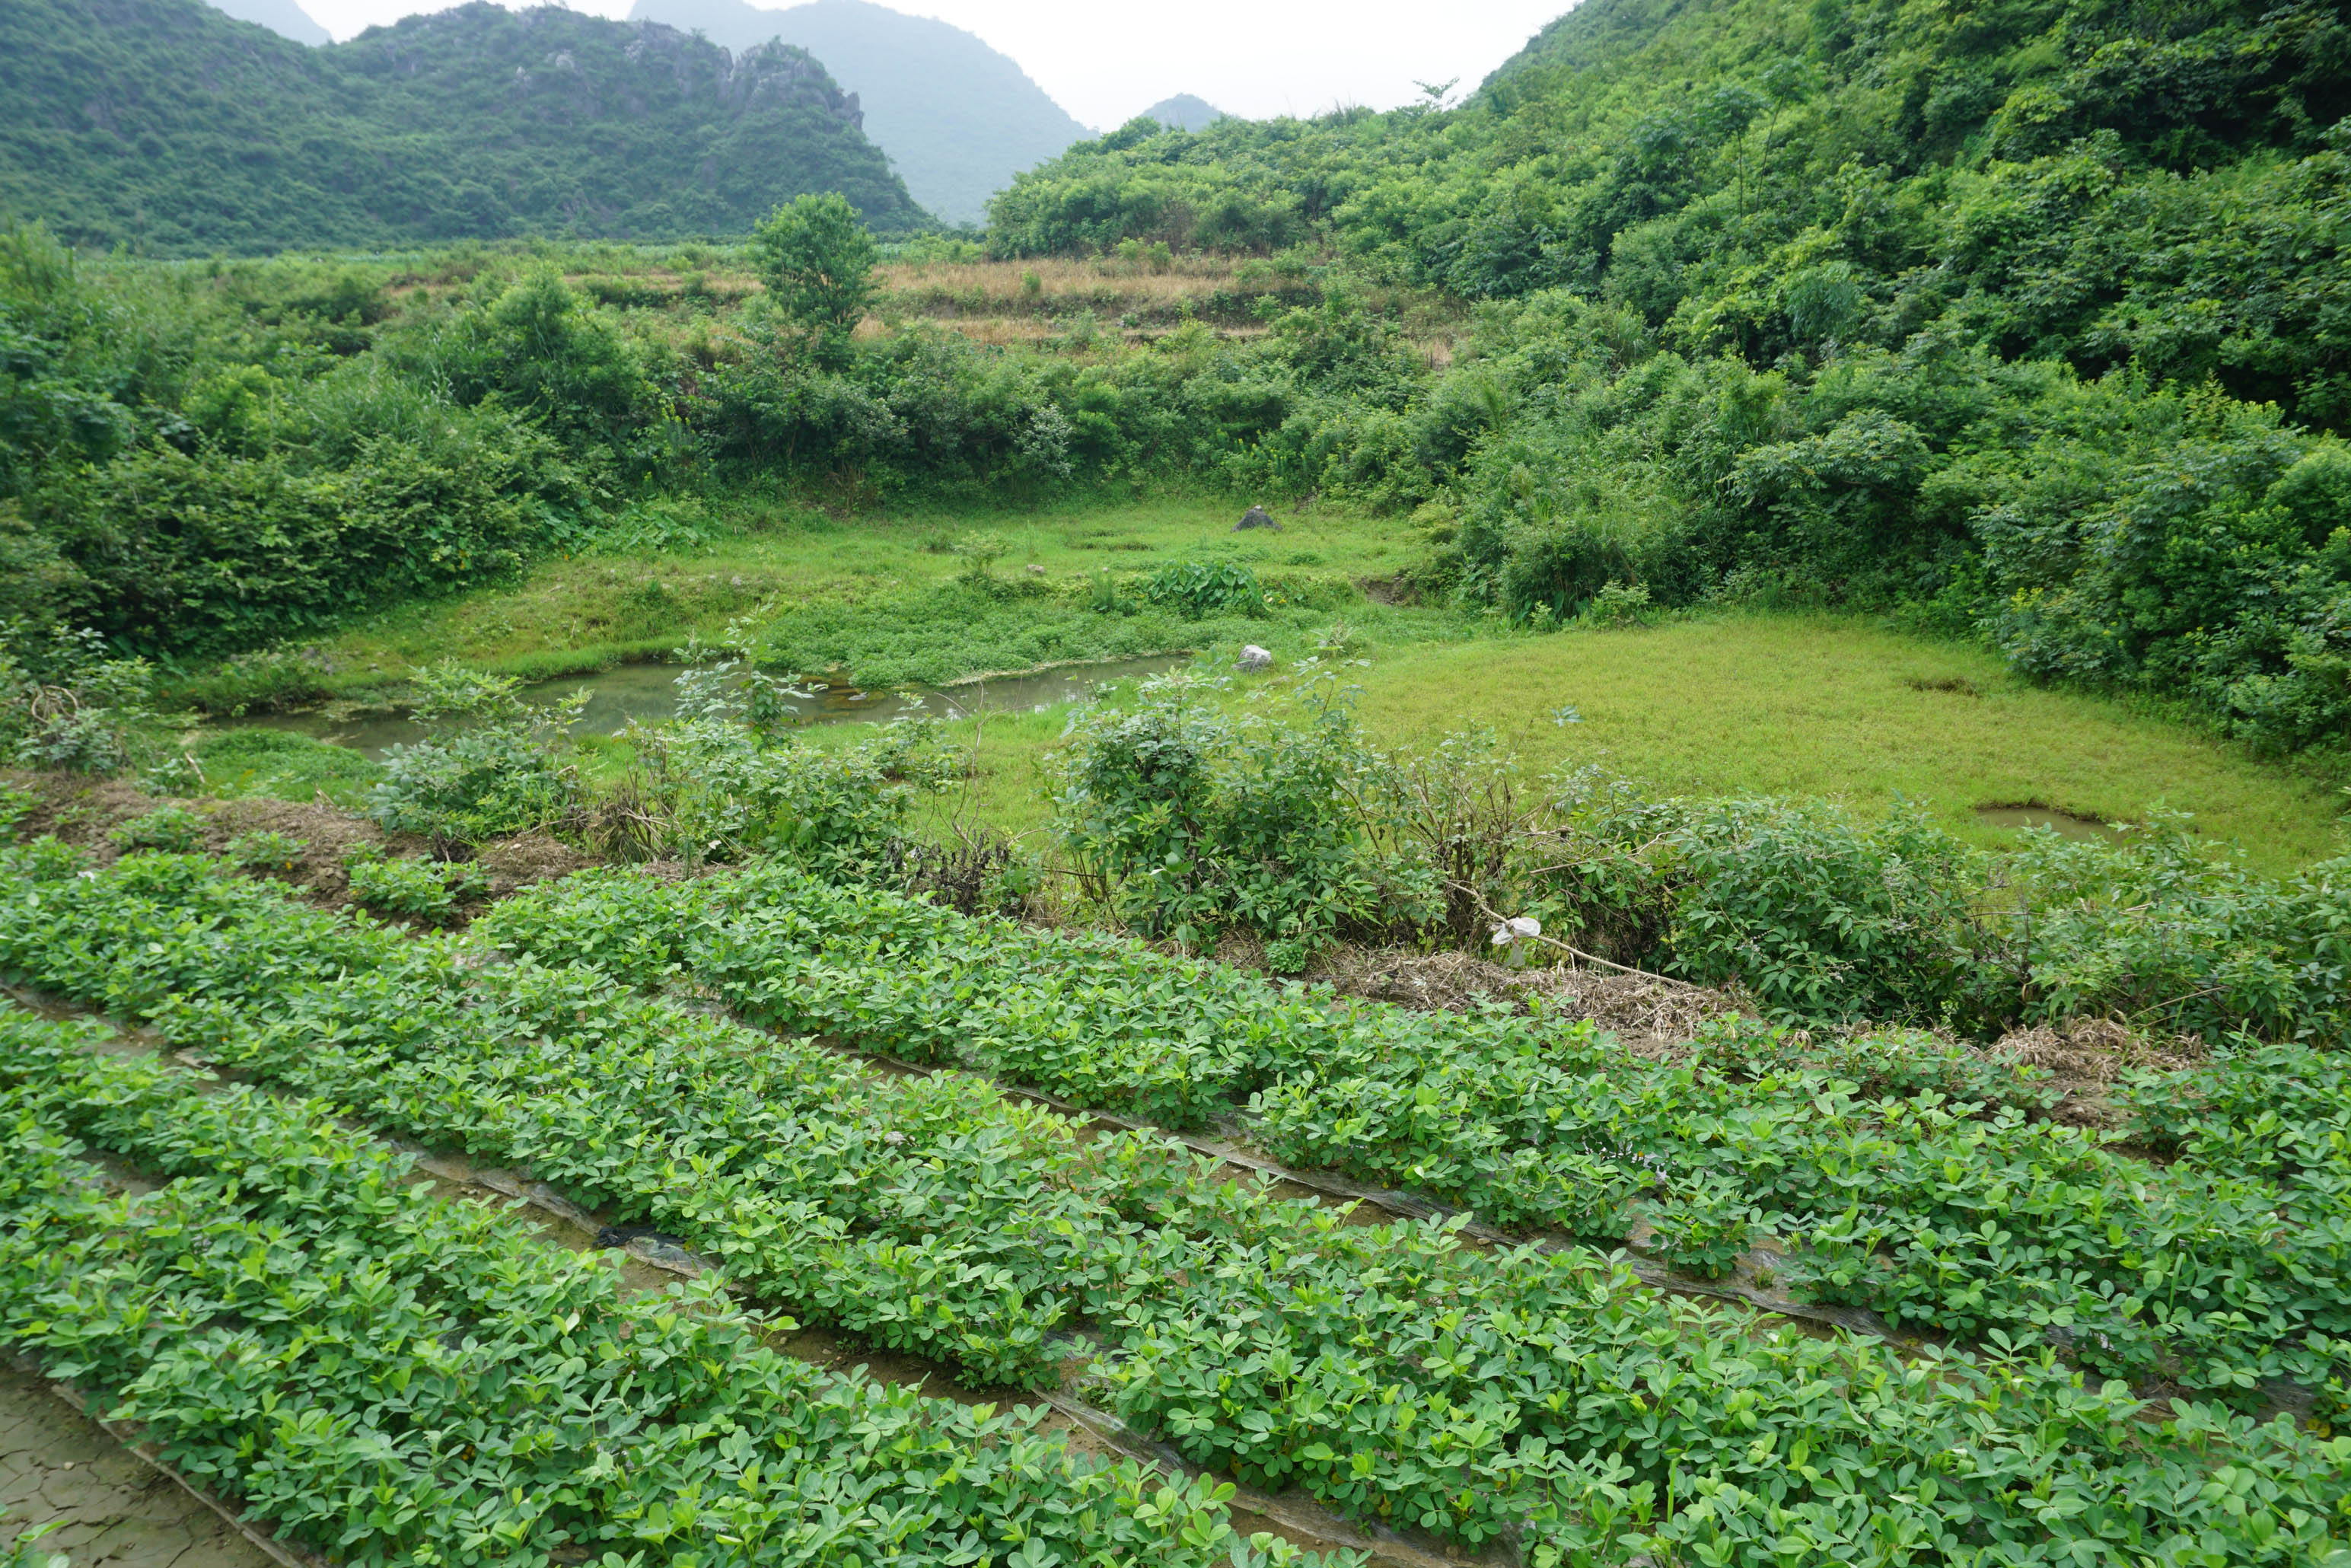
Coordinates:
[118,1513]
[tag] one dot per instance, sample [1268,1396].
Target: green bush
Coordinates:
[216,551]
[267,851]
[16,804]
[67,703]
[1817,916]
[47,859]
[1185,822]
[429,890]
[175,829]
[715,789]
[2176,933]
[493,765]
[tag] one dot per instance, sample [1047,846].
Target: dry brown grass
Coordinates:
[1006,331]
[1058,279]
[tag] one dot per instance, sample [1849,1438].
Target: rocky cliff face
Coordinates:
[957,118]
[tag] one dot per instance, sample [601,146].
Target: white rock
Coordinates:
[1254,658]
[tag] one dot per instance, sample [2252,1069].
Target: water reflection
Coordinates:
[648,694]
[2067,824]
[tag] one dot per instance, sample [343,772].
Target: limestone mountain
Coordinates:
[1185,112]
[957,118]
[165,124]
[283,17]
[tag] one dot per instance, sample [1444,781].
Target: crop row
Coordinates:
[385,1376]
[1912,1179]
[1383,1368]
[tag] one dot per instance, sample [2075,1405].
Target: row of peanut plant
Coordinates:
[385,1376]
[1387,1369]
[1908,1177]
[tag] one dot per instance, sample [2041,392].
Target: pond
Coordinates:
[2068,825]
[648,692]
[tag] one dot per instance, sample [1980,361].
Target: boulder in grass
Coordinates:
[1257,517]
[1254,658]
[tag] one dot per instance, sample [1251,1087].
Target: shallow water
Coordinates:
[648,692]
[2068,825]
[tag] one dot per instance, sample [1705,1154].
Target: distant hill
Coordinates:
[957,117]
[1185,112]
[164,123]
[283,17]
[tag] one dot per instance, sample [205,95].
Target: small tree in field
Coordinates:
[817,259]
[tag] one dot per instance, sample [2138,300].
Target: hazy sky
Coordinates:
[1105,60]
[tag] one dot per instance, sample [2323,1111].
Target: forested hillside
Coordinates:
[957,118]
[2030,321]
[166,124]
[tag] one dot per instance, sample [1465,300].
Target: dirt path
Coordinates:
[118,1513]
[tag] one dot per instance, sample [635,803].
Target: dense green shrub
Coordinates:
[175,829]
[1185,822]
[1814,914]
[213,550]
[2174,933]
[1822,918]
[429,890]
[531,345]
[493,765]
[710,788]
[66,704]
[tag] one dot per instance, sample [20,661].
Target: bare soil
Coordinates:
[117,1512]
[86,812]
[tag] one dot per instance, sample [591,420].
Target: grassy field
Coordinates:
[1776,704]
[1838,707]
[773,559]
[1728,703]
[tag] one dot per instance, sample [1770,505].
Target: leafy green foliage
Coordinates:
[1185,822]
[1817,917]
[494,767]
[267,851]
[1902,1173]
[1198,588]
[468,1411]
[430,890]
[65,703]
[16,803]
[817,259]
[714,791]
[1547,1396]
[22,1549]
[175,829]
